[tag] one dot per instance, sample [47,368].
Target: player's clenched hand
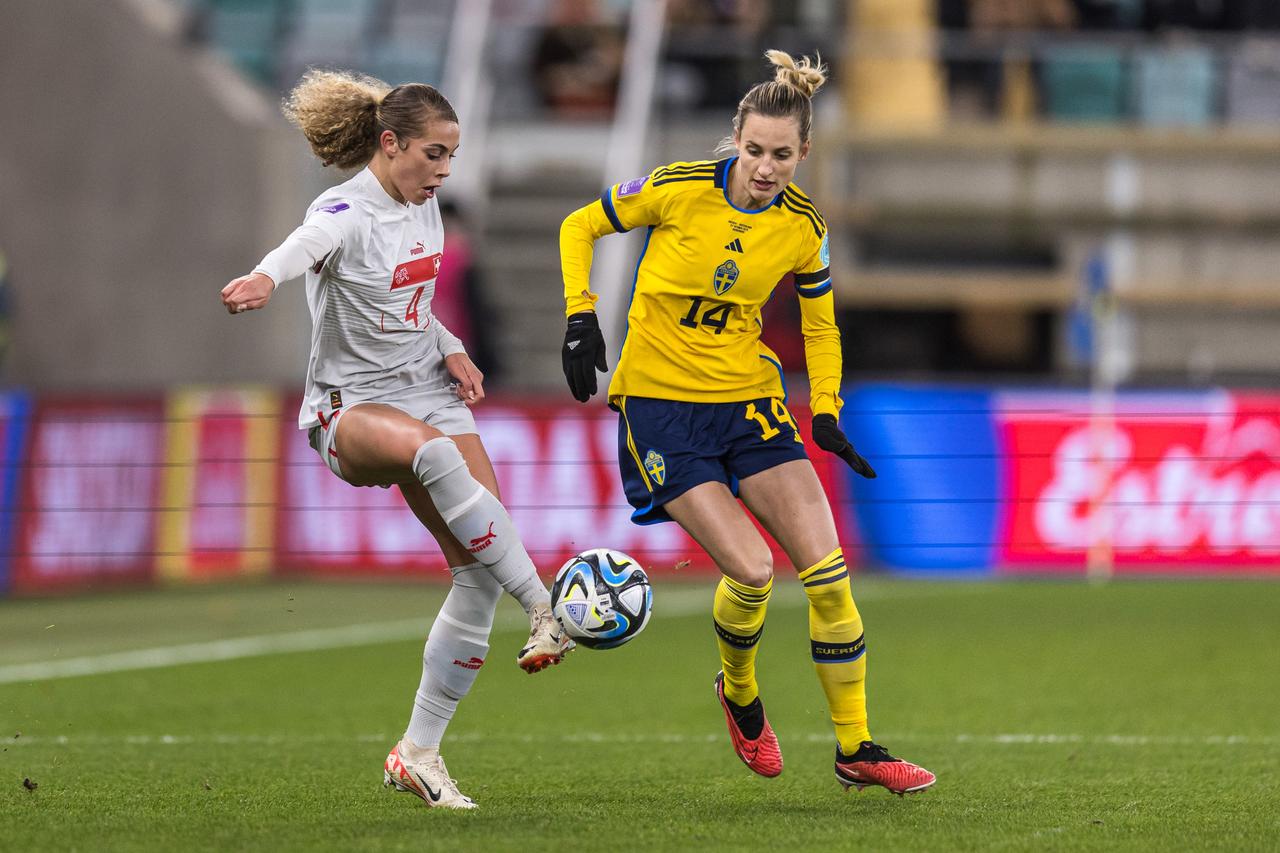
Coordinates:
[828,435]
[470,381]
[583,354]
[247,292]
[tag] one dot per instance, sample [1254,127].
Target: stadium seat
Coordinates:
[412,44]
[401,63]
[1253,83]
[331,24]
[1175,86]
[1084,84]
[247,31]
[325,33]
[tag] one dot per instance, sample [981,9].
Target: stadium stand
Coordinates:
[1175,86]
[1253,83]
[1084,83]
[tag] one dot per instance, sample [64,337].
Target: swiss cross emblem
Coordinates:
[437,259]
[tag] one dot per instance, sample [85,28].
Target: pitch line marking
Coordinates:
[671,603]
[1012,739]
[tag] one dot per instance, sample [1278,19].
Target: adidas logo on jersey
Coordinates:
[735,245]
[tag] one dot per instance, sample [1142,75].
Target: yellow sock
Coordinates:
[739,620]
[839,653]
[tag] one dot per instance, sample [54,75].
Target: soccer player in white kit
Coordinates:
[388,387]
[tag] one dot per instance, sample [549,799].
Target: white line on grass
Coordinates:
[1023,739]
[670,603]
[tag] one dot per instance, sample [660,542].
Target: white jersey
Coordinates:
[373,338]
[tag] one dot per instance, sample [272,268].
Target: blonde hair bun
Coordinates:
[805,76]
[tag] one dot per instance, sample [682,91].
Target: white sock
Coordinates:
[478,520]
[454,652]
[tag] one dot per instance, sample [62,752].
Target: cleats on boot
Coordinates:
[871,764]
[548,643]
[761,752]
[423,775]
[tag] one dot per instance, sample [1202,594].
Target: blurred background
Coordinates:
[1053,238]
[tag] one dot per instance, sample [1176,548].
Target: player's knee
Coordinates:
[754,570]
[416,433]
[436,458]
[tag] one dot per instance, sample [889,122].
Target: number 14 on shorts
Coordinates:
[771,429]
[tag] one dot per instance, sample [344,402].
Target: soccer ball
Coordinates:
[602,598]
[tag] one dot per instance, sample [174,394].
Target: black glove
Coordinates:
[828,435]
[583,354]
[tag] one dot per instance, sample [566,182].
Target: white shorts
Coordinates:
[452,417]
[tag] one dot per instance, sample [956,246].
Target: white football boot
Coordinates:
[425,775]
[548,643]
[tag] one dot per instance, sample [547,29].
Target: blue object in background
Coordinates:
[15,410]
[1081,331]
[933,505]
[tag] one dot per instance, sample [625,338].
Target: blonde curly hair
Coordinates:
[342,114]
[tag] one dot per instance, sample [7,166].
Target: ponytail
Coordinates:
[342,114]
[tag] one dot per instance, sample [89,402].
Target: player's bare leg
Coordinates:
[372,442]
[387,446]
[547,644]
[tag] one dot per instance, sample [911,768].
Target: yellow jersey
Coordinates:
[705,273]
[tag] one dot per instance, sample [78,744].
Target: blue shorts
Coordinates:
[665,448]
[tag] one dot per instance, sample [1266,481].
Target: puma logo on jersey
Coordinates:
[418,249]
[481,542]
[474,663]
[734,245]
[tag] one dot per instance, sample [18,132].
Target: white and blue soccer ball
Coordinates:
[602,598]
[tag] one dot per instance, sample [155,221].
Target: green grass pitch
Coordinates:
[1058,716]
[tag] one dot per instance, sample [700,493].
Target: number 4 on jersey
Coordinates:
[411,313]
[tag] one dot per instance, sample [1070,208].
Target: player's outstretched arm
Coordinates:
[247,292]
[309,244]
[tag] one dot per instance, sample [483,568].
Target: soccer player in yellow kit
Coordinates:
[702,403]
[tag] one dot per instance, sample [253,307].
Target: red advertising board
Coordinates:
[1170,481]
[558,473]
[219,484]
[89,494]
